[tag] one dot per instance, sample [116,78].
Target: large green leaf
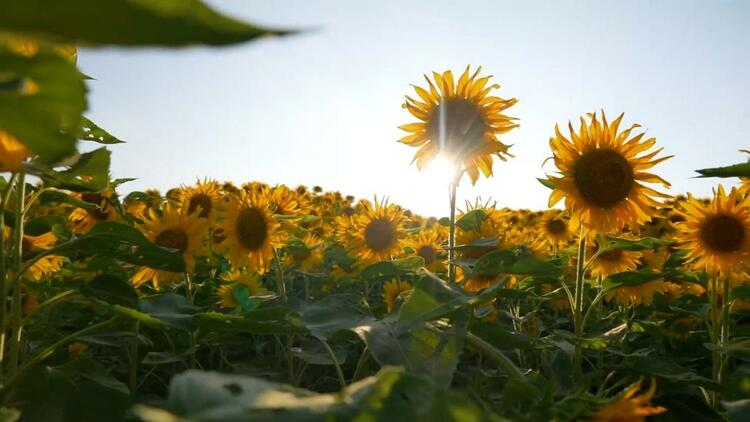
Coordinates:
[635,245]
[258,321]
[629,278]
[125,243]
[393,268]
[90,172]
[735,170]
[512,261]
[44,113]
[125,22]
[471,220]
[91,132]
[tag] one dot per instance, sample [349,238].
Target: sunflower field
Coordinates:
[256,302]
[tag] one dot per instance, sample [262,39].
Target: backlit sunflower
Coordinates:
[392,290]
[12,153]
[249,233]
[459,120]
[175,228]
[249,283]
[717,235]
[555,228]
[205,197]
[629,407]
[429,245]
[375,234]
[602,172]
[638,294]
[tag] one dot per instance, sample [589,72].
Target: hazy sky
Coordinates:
[323,107]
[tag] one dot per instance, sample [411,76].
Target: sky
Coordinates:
[323,107]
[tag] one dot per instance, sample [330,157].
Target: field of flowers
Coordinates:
[245,302]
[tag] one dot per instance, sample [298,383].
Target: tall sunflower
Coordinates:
[374,234]
[205,197]
[249,232]
[602,171]
[459,120]
[717,235]
[175,228]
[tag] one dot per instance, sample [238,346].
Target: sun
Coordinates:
[441,171]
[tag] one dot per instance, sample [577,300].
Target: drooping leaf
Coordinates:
[629,278]
[471,220]
[122,242]
[393,268]
[125,22]
[547,183]
[111,289]
[635,245]
[171,308]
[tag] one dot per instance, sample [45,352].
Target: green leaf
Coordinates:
[629,278]
[46,118]
[471,220]
[123,242]
[111,289]
[657,366]
[547,183]
[738,411]
[684,407]
[393,268]
[125,22]
[314,353]
[635,245]
[502,338]
[511,261]
[259,321]
[432,298]
[81,390]
[91,132]
[740,292]
[170,308]
[93,165]
[139,316]
[735,170]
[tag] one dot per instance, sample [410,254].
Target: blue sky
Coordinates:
[323,107]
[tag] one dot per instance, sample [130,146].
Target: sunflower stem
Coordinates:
[578,319]
[714,333]
[452,233]
[4,198]
[339,371]
[725,326]
[280,283]
[15,311]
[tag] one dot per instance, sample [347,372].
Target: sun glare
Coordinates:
[441,171]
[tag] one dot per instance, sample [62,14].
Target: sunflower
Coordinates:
[602,175]
[613,261]
[12,153]
[392,290]
[306,253]
[374,234]
[629,407]
[226,293]
[175,228]
[555,228]
[637,294]
[84,219]
[459,120]
[45,265]
[429,245]
[205,197]
[717,235]
[249,233]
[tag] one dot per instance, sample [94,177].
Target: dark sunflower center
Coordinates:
[722,233]
[252,228]
[428,253]
[457,126]
[556,226]
[94,198]
[611,255]
[203,201]
[27,248]
[380,234]
[603,177]
[173,239]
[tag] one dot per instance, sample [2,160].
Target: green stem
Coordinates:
[360,364]
[578,310]
[133,370]
[714,335]
[339,372]
[452,233]
[488,350]
[51,301]
[725,327]
[15,311]
[4,198]
[280,283]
